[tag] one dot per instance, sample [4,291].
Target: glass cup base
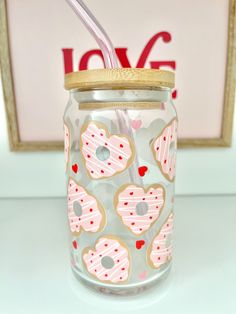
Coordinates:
[123,289]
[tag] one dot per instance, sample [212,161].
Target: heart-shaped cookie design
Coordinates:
[136,124]
[160,249]
[137,208]
[84,210]
[75,168]
[105,155]
[109,261]
[164,149]
[142,170]
[139,244]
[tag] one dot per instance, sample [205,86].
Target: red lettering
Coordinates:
[83,65]
[166,37]
[123,58]
[68,60]
[158,64]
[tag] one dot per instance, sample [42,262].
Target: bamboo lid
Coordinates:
[119,78]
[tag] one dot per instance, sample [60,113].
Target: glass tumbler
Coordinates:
[120,130]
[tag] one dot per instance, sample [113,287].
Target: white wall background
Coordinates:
[199,171]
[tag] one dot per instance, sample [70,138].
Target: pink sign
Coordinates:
[46,40]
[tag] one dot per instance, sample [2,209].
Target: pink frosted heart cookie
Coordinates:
[109,261]
[139,208]
[160,250]
[66,143]
[164,150]
[104,155]
[84,210]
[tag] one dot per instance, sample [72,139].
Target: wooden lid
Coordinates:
[119,78]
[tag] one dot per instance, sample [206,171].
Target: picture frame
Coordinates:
[11,105]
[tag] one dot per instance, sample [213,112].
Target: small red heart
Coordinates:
[142,170]
[75,244]
[139,244]
[174,94]
[75,168]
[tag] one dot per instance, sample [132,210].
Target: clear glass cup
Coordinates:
[120,150]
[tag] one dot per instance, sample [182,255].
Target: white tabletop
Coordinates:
[35,274]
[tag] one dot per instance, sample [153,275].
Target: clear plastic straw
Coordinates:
[97,31]
[110,59]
